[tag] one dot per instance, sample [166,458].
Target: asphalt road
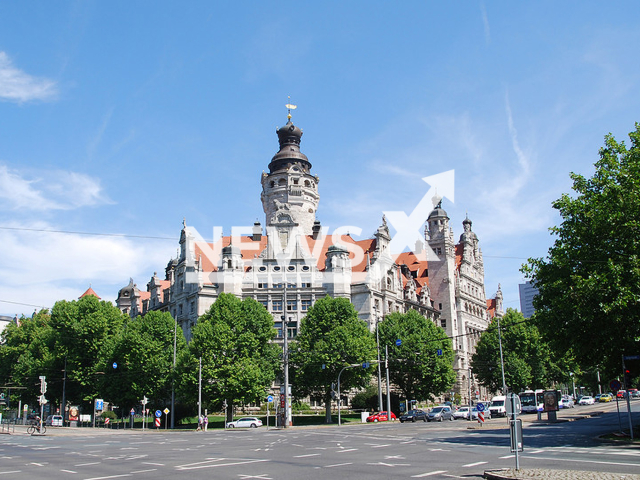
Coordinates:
[457,449]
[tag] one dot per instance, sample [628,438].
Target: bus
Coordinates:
[532,401]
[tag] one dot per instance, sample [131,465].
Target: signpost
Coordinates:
[269,400]
[480,408]
[513,408]
[166,419]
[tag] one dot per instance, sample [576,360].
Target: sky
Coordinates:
[120,119]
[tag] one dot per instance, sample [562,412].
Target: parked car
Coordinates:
[461,413]
[587,400]
[245,422]
[440,413]
[622,394]
[634,392]
[605,397]
[567,402]
[474,413]
[53,421]
[413,416]
[380,417]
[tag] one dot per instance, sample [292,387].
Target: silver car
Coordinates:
[439,414]
[246,422]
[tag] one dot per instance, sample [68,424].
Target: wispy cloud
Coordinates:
[485,22]
[56,190]
[522,158]
[18,86]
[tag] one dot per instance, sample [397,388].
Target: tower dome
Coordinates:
[289,154]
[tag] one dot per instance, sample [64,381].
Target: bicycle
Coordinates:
[32,429]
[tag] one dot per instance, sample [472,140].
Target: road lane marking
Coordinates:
[338,465]
[391,464]
[307,455]
[37,464]
[473,464]
[347,450]
[242,462]
[144,471]
[111,476]
[12,471]
[262,477]
[68,471]
[429,474]
[381,446]
[152,463]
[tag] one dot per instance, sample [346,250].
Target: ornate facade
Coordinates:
[292,262]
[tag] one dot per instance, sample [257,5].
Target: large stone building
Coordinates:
[292,261]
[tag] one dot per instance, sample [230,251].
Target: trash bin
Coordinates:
[363,416]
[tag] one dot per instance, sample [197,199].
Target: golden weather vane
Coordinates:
[290,107]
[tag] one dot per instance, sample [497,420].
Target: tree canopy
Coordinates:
[239,362]
[331,337]
[415,366]
[589,283]
[143,353]
[528,360]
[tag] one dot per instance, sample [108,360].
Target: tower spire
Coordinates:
[290,107]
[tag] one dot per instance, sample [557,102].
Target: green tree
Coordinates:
[26,354]
[143,352]
[589,283]
[239,362]
[528,361]
[415,366]
[331,337]
[84,335]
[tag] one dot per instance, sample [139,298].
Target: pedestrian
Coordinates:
[199,423]
[206,422]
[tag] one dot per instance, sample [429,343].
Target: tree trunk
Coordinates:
[327,403]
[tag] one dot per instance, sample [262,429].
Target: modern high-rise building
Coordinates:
[527,293]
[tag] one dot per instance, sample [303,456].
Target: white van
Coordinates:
[497,407]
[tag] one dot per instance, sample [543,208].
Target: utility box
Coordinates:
[364,416]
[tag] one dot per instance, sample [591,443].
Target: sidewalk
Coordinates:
[533,473]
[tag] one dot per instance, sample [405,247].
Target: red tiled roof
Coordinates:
[90,292]
[491,307]
[250,249]
[146,295]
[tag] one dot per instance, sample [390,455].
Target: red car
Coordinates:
[380,417]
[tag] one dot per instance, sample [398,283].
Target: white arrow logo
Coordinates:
[408,228]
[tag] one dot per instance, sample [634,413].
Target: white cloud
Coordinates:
[56,190]
[40,268]
[18,86]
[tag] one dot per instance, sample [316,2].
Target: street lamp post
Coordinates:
[386,362]
[504,385]
[573,382]
[375,312]
[173,380]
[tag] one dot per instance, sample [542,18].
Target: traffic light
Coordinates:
[631,370]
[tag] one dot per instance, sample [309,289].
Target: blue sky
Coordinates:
[125,117]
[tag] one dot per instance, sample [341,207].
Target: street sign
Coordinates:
[398,342]
[158,413]
[166,411]
[632,357]
[615,385]
[365,364]
[99,404]
[270,398]
[115,365]
[439,352]
[157,422]
[515,434]
[133,411]
[480,407]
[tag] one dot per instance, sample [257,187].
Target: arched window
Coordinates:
[282,182]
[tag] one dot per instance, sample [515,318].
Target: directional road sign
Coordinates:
[158,413]
[398,342]
[270,398]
